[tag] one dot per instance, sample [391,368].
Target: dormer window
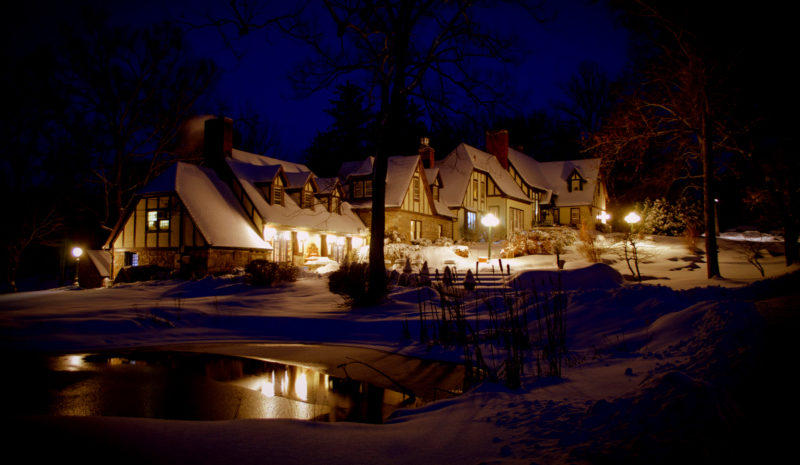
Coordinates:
[368,188]
[277,192]
[335,202]
[358,189]
[435,192]
[307,200]
[575,182]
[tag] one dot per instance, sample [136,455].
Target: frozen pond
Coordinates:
[229,381]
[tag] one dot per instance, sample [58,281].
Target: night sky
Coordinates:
[581,31]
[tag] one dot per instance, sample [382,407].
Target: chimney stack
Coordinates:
[497,145]
[217,142]
[426,152]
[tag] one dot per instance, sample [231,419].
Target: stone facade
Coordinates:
[196,261]
[400,220]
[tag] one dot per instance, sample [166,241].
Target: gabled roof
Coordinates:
[299,179]
[356,168]
[553,177]
[290,214]
[457,169]
[101,259]
[433,175]
[558,173]
[210,203]
[327,185]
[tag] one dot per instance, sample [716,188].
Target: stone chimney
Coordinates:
[217,142]
[497,145]
[426,152]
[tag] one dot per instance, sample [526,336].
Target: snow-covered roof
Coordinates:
[101,259]
[557,172]
[253,159]
[298,179]
[211,204]
[457,168]
[356,168]
[326,185]
[432,174]
[290,214]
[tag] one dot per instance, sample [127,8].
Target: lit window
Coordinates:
[277,193]
[367,188]
[416,188]
[416,229]
[157,220]
[471,217]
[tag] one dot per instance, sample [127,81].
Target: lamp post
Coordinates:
[77,252]
[490,221]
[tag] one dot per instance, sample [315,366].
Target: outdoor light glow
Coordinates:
[603,217]
[632,218]
[301,386]
[268,388]
[490,220]
[358,241]
[302,235]
[77,252]
[269,233]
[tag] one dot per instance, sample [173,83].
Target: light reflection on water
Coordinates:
[193,386]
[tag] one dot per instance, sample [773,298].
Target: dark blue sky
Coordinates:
[581,30]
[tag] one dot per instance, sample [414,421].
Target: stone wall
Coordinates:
[197,262]
[401,221]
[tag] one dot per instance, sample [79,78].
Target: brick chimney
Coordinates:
[426,152]
[497,145]
[217,142]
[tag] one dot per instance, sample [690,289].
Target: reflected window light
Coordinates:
[301,386]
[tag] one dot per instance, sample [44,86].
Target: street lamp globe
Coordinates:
[632,218]
[490,221]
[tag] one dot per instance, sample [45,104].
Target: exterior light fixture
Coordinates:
[490,221]
[632,218]
[604,217]
[77,252]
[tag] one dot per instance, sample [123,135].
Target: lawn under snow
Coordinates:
[657,375]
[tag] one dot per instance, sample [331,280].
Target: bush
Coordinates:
[266,273]
[663,217]
[351,281]
[591,247]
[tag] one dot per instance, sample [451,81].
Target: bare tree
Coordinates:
[675,117]
[589,96]
[130,91]
[403,51]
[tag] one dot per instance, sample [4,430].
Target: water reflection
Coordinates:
[194,386]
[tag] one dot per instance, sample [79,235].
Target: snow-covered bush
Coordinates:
[538,242]
[461,250]
[663,217]
[266,273]
[443,241]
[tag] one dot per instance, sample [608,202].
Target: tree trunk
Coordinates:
[707,153]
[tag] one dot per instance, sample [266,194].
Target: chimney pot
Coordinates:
[426,152]
[497,145]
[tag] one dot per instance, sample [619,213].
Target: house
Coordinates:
[412,204]
[569,192]
[236,208]
[475,184]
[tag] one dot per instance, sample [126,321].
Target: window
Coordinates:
[416,188]
[158,214]
[435,192]
[308,196]
[416,229]
[575,183]
[368,188]
[516,219]
[474,188]
[358,189]
[471,217]
[439,230]
[575,215]
[335,202]
[131,259]
[277,192]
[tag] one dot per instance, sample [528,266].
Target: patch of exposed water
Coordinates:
[191,385]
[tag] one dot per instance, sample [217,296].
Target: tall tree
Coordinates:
[129,92]
[402,51]
[588,94]
[349,137]
[676,115]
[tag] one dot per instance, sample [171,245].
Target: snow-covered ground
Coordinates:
[660,372]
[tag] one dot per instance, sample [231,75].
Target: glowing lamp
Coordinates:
[632,218]
[490,221]
[302,236]
[604,217]
[77,252]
